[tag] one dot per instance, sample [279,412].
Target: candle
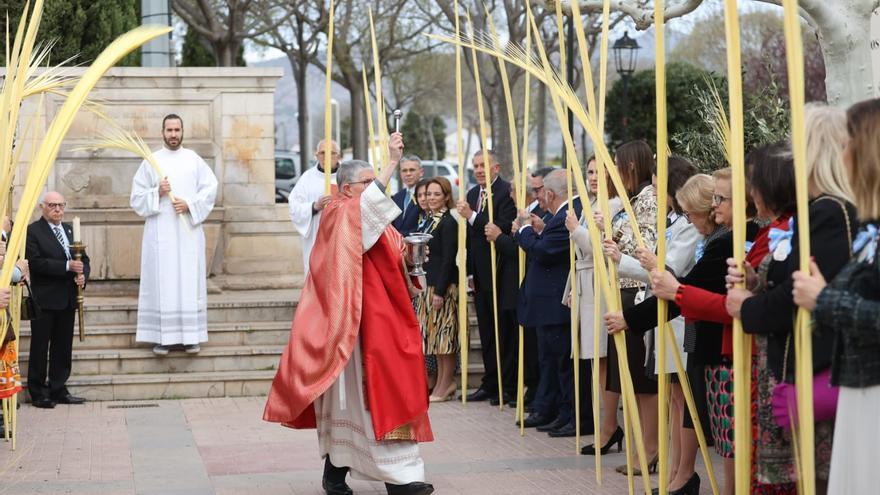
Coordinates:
[76,230]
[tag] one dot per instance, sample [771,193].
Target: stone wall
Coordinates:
[228,119]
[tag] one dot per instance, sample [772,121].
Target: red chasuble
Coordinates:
[349,293]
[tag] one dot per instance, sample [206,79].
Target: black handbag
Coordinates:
[29,308]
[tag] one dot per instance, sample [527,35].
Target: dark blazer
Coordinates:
[406,222]
[540,300]
[443,246]
[479,254]
[708,274]
[849,308]
[772,312]
[508,250]
[52,284]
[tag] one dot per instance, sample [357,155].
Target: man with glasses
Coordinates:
[307,199]
[173,296]
[55,276]
[354,367]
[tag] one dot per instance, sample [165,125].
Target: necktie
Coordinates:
[484,200]
[60,236]
[407,199]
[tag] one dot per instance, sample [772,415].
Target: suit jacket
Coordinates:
[508,250]
[407,222]
[53,286]
[440,269]
[771,313]
[540,300]
[479,254]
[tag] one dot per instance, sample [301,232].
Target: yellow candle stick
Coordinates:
[662,190]
[520,199]
[633,429]
[741,349]
[380,99]
[805,427]
[571,161]
[463,333]
[484,137]
[48,150]
[328,114]
[371,136]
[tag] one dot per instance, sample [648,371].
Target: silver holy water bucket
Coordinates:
[417,251]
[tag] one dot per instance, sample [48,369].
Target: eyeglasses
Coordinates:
[365,182]
[53,206]
[717,199]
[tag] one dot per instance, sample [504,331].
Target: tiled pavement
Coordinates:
[221,446]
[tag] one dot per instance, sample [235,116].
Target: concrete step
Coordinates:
[172,385]
[142,361]
[113,336]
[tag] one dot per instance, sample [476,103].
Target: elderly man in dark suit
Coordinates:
[508,250]
[410,174]
[547,246]
[55,276]
[475,209]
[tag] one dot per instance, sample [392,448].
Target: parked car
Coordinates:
[287,172]
[450,171]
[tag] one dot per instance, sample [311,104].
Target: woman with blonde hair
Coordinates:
[849,309]
[767,307]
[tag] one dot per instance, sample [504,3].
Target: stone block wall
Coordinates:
[228,116]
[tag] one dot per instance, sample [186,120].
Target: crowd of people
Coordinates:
[698,278]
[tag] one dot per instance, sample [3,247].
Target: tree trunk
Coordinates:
[428,129]
[845,46]
[300,74]
[357,125]
[541,150]
[300,71]
[501,135]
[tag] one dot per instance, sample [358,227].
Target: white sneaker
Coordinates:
[160,350]
[192,349]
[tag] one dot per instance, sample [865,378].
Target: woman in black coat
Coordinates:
[438,305]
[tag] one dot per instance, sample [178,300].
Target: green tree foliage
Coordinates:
[416,128]
[766,115]
[682,104]
[79,28]
[195,52]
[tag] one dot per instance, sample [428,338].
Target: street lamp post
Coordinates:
[625,50]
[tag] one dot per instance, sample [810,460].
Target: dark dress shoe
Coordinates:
[70,399]
[414,488]
[43,403]
[493,401]
[556,423]
[333,481]
[479,396]
[536,419]
[566,430]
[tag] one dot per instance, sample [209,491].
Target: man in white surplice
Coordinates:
[307,199]
[173,298]
[367,426]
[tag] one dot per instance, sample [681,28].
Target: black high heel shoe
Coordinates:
[692,487]
[616,437]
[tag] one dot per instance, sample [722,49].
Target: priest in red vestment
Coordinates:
[354,367]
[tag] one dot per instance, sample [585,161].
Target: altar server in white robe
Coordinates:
[173,298]
[307,199]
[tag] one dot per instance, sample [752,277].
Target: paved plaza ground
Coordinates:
[221,446]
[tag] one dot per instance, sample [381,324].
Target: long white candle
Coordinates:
[76,230]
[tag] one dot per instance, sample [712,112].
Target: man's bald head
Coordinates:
[334,157]
[52,206]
